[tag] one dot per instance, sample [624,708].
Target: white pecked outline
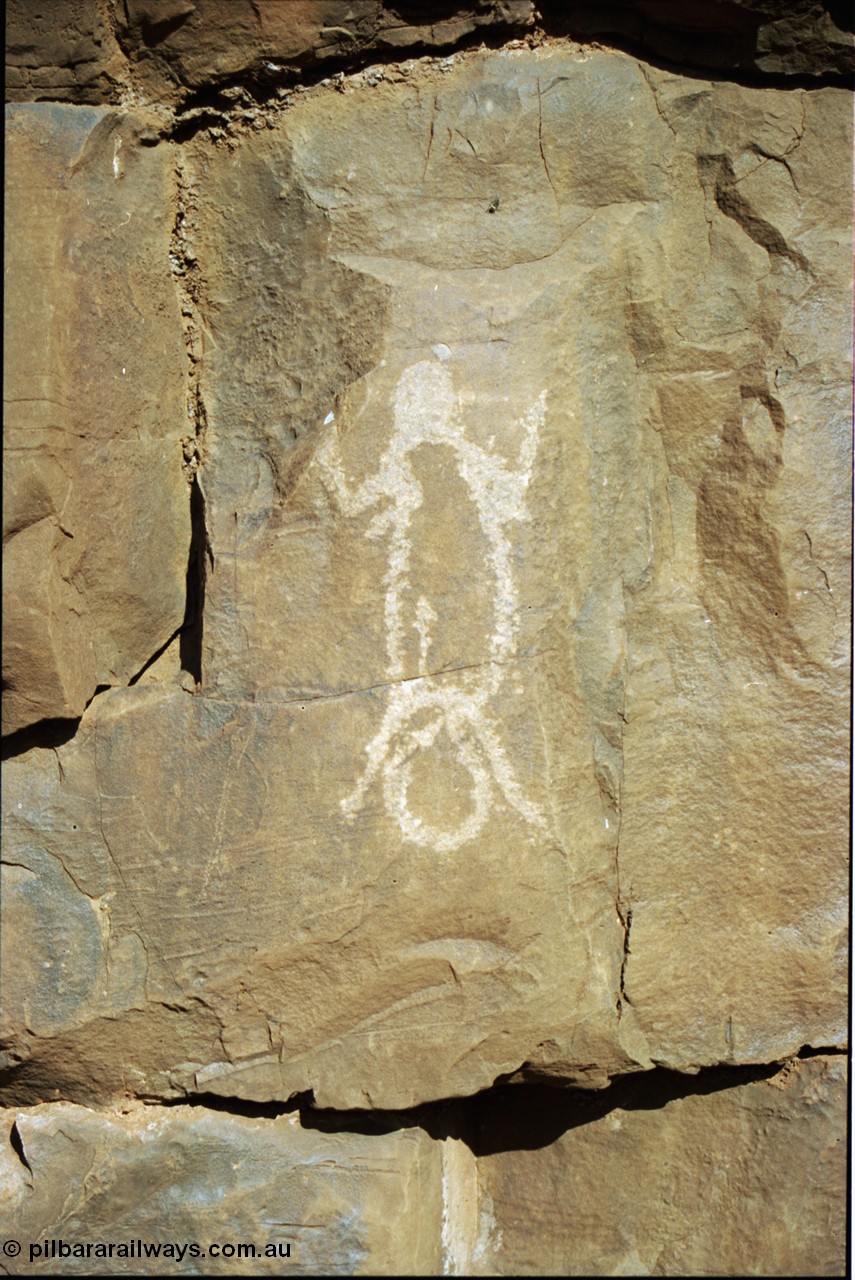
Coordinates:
[428,412]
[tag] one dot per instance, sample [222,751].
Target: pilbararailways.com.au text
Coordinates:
[56,1248]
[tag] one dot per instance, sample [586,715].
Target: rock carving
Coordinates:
[421,707]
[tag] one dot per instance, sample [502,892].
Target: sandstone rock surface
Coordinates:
[427,637]
[176,46]
[648,1178]
[205,1183]
[539,302]
[747,1181]
[171,50]
[61,50]
[292,954]
[524,699]
[96,514]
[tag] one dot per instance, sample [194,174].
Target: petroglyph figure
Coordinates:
[421,707]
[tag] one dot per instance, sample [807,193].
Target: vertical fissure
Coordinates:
[622,904]
[190,644]
[189,286]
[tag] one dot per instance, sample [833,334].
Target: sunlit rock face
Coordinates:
[427,642]
[96,518]
[184,1191]
[523,668]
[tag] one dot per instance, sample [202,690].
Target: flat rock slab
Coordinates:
[205,1188]
[176,47]
[521,743]
[204,917]
[63,51]
[96,510]
[674,1184]
[656,1175]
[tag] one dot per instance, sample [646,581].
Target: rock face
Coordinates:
[686,1184]
[62,51]
[96,511]
[683,1183]
[344,1203]
[427,549]
[178,46]
[555,341]
[523,665]
[176,50]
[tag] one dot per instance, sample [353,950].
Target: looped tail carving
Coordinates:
[421,709]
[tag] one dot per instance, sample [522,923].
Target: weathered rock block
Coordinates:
[537,439]
[62,50]
[747,1180]
[177,46]
[96,521]
[525,668]
[236,932]
[200,1185]
[83,51]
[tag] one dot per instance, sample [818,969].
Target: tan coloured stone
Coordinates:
[738,644]
[68,49]
[525,685]
[191,911]
[496,275]
[61,50]
[747,1180]
[96,510]
[189,1179]
[181,45]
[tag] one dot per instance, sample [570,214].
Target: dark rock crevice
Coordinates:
[505,1117]
[197,561]
[48,734]
[763,43]
[509,1117]
[17,1144]
[158,653]
[189,286]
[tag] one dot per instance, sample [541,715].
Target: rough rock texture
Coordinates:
[96,511]
[750,1180]
[427,559]
[524,676]
[183,1177]
[180,45]
[551,338]
[174,50]
[62,50]
[720,1177]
